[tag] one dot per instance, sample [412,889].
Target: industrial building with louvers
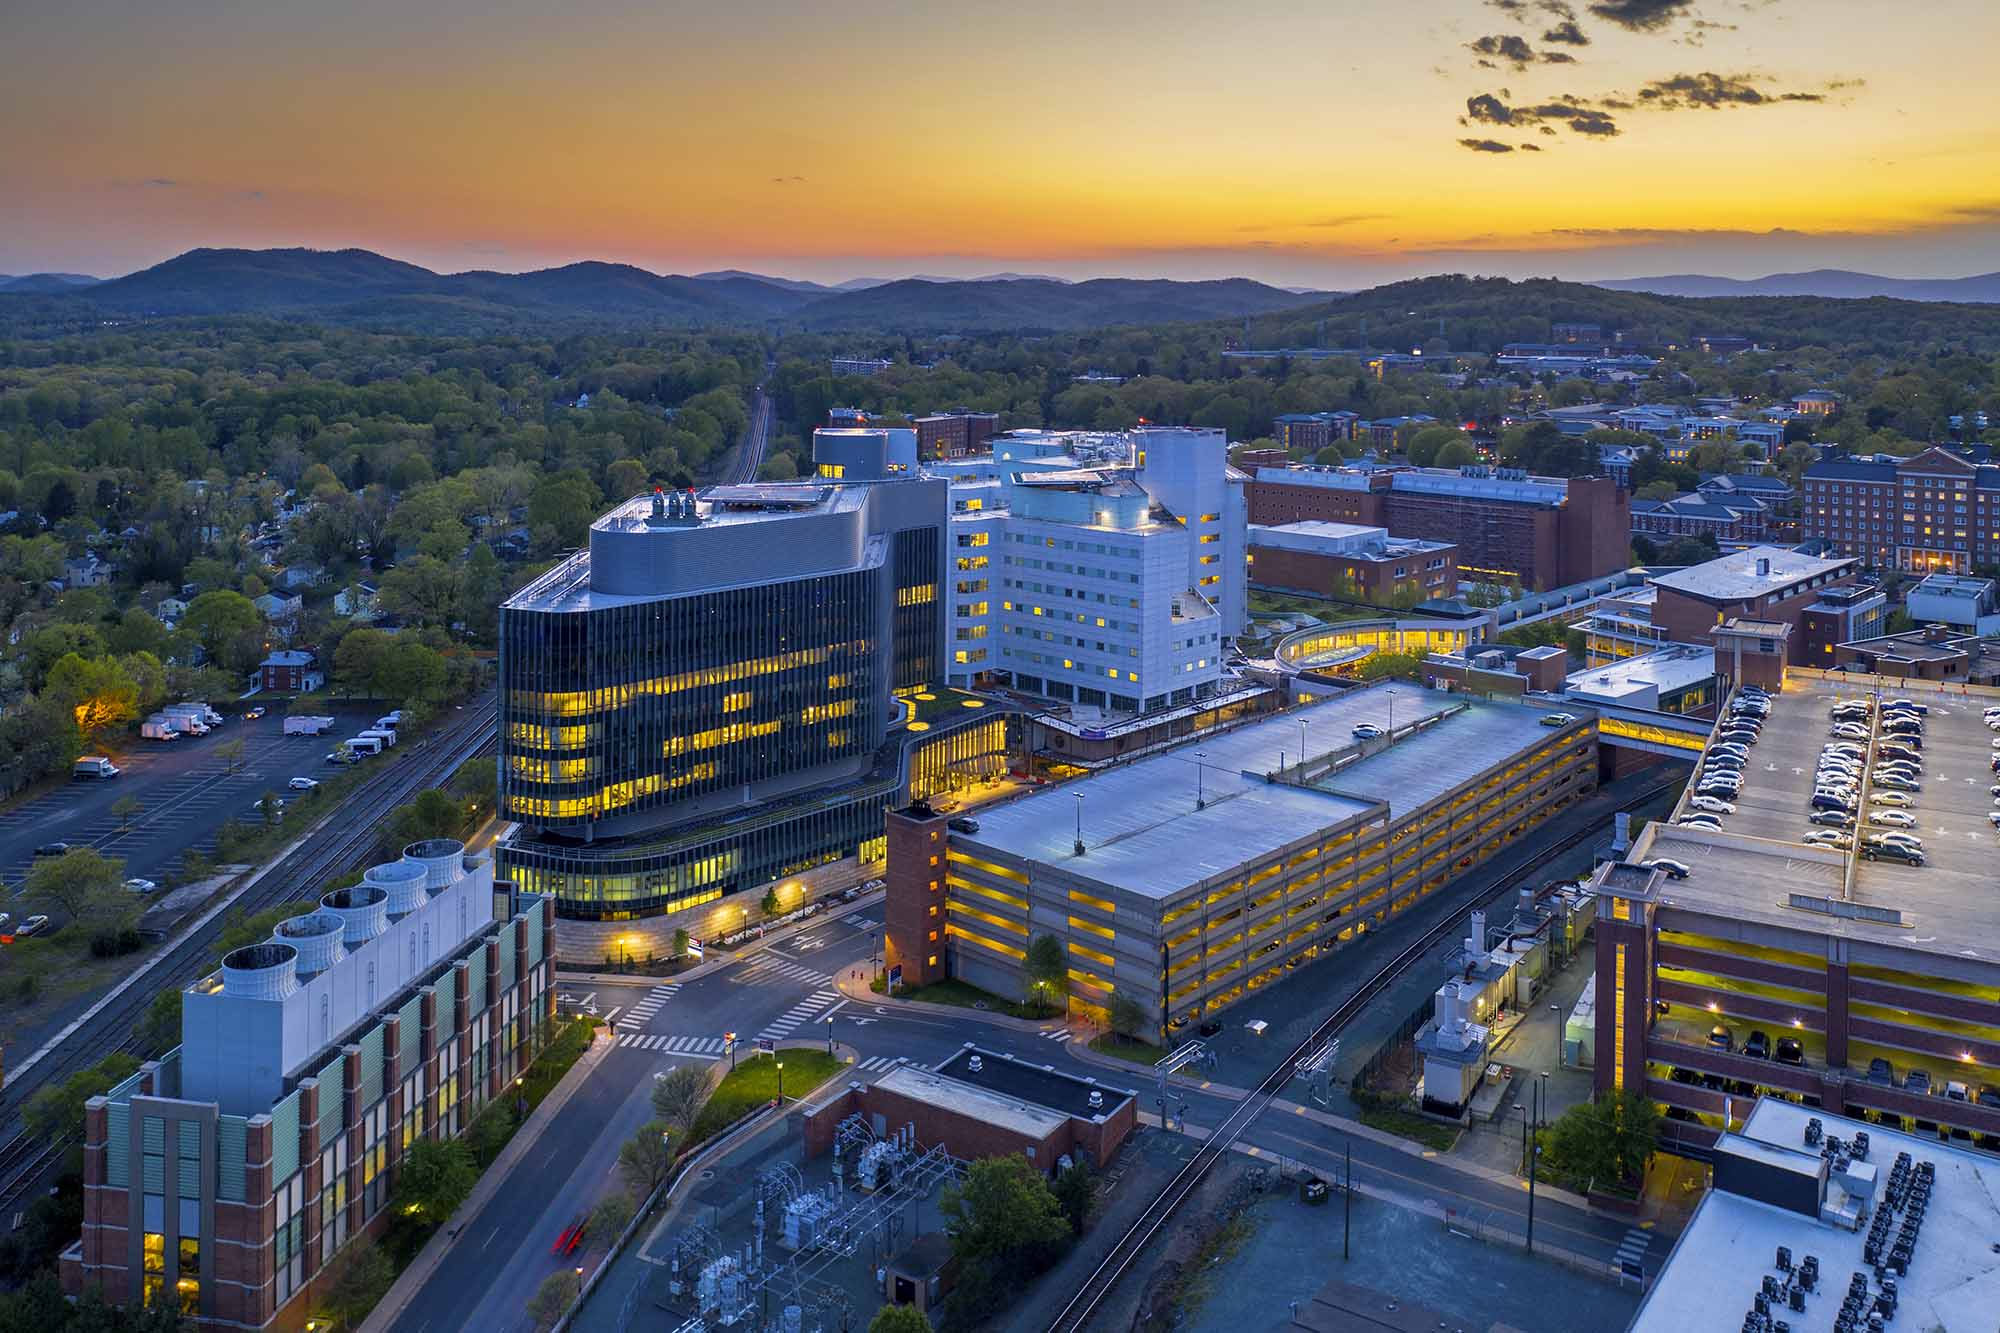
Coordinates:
[1188,879]
[226,1177]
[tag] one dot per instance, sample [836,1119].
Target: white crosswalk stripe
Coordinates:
[877,1063]
[1632,1249]
[799,1013]
[641,1013]
[769,968]
[1054,1034]
[860,922]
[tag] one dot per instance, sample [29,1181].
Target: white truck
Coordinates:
[385,735]
[195,719]
[93,766]
[302,724]
[158,728]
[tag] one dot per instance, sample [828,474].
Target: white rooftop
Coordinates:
[1752,573]
[1649,675]
[969,1099]
[1717,1265]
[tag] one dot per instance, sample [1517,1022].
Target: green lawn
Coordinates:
[755,1081]
[1126,1048]
[1416,1128]
[963,995]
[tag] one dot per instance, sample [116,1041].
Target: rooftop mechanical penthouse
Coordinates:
[697,703]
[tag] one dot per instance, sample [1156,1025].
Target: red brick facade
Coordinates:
[955,434]
[1362,578]
[969,1138]
[913,898]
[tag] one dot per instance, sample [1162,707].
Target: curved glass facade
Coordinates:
[618,709]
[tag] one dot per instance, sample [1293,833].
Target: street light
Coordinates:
[1199,802]
[781,1082]
[729,1040]
[829,1034]
[1079,822]
[1557,1010]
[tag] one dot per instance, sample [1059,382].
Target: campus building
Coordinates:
[1818,596]
[1776,967]
[1935,512]
[1509,527]
[1103,572]
[228,1175]
[701,701]
[955,434]
[1348,562]
[1189,879]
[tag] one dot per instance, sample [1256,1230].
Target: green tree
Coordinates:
[611,1216]
[1076,1191]
[553,1298]
[899,1319]
[231,755]
[228,627]
[435,1177]
[681,941]
[362,1276]
[647,1157]
[488,1134]
[434,813]
[1456,453]
[678,1096]
[99,692]
[159,1028]
[1690,550]
[55,1112]
[1606,1142]
[561,507]
[83,884]
[1005,1225]
[1128,1019]
[1046,970]
[770,905]
[124,808]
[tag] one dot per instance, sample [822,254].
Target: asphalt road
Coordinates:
[785,991]
[187,790]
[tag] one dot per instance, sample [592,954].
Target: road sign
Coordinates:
[694,947]
[895,977]
[767,1045]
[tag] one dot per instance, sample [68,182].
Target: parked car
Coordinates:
[1558,719]
[1368,731]
[1671,868]
[961,824]
[1892,818]
[1757,1046]
[1831,818]
[252,714]
[1710,805]
[1893,798]
[1881,1071]
[141,885]
[1891,851]
[52,849]
[1910,704]
[302,784]
[1719,1039]
[1789,1051]
[1826,837]
[1897,782]
[34,925]
[1707,823]
[1832,800]
[1917,1080]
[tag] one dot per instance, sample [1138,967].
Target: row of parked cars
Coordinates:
[1720,779]
[1894,778]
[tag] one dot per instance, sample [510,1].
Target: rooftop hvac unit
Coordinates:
[443,859]
[404,881]
[316,939]
[267,971]
[363,911]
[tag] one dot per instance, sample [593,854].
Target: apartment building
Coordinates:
[1935,512]
[1311,432]
[1509,527]
[955,434]
[1817,595]
[863,366]
[1188,879]
[227,1177]
[1727,518]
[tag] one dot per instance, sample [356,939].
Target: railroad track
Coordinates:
[337,847]
[1075,1317]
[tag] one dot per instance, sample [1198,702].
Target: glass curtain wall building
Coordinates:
[701,701]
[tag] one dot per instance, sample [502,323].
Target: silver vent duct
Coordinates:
[404,881]
[443,860]
[363,911]
[316,939]
[267,971]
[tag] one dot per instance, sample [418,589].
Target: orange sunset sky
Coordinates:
[1329,143]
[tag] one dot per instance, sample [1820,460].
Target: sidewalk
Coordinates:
[425,1265]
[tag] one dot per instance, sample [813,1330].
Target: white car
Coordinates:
[1826,837]
[1892,818]
[302,784]
[1994,819]
[1890,798]
[1707,822]
[141,885]
[1847,731]
[1368,732]
[1710,805]
[1558,719]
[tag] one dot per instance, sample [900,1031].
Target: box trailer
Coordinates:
[159,729]
[307,725]
[388,738]
[365,744]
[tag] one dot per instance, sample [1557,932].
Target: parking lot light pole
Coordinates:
[781,1083]
[829,1034]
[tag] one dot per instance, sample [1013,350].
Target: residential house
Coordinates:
[290,671]
[295,578]
[279,607]
[357,601]
[87,571]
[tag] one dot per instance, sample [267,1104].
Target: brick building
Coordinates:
[955,434]
[229,1174]
[1934,512]
[1349,562]
[1540,532]
[290,671]
[984,1103]
[1817,595]
[1313,431]
[1727,519]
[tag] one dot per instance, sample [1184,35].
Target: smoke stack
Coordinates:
[1475,939]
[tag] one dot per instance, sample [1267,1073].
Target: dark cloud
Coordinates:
[161,183]
[1581,116]
[1506,48]
[1521,10]
[1712,92]
[1641,15]
[1486,145]
[1567,33]
[1558,58]
[1347,219]
[788,180]
[1531,148]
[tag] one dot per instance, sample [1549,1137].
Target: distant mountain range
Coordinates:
[364,287]
[44,283]
[1833,282]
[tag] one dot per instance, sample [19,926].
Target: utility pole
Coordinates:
[1347,1206]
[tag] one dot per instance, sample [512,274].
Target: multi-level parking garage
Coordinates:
[1879,981]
